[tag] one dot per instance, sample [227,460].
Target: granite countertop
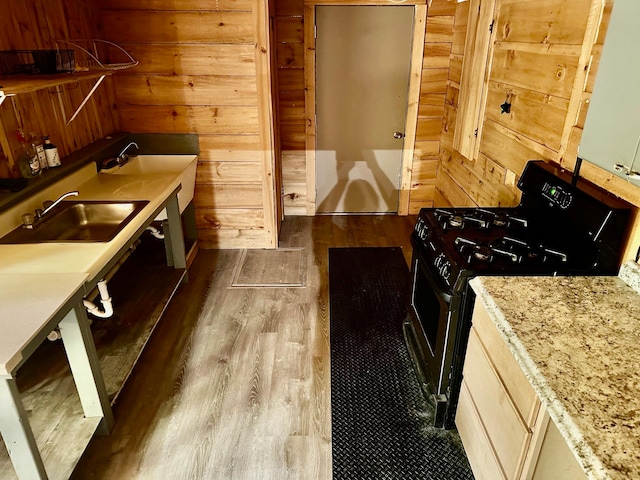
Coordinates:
[577,339]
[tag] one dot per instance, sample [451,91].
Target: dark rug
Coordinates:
[381,421]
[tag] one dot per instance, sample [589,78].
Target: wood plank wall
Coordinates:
[198,74]
[439,58]
[544,60]
[289,26]
[534,63]
[34,24]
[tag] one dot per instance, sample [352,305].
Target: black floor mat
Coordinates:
[381,422]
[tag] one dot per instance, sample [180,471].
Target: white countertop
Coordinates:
[576,339]
[36,280]
[24,315]
[90,258]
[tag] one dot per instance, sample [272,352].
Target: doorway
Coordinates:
[363,61]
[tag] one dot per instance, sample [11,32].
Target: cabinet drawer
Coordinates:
[516,384]
[474,438]
[509,436]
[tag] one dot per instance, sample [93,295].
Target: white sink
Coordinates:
[184,165]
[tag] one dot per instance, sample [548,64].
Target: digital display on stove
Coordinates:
[557,195]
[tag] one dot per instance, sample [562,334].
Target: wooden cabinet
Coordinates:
[504,428]
[473,81]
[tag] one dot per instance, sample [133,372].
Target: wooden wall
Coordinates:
[289,28]
[543,59]
[34,24]
[536,59]
[440,57]
[200,72]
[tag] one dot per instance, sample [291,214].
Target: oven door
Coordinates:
[430,328]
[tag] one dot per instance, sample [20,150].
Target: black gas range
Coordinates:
[562,226]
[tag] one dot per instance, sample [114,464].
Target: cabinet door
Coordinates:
[473,82]
[517,387]
[509,436]
[474,438]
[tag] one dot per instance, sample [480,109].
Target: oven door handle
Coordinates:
[437,289]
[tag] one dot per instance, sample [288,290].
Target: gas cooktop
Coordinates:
[558,229]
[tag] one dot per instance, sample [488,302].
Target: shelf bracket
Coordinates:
[86,98]
[4,96]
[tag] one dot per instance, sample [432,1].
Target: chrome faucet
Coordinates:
[30,220]
[121,159]
[123,156]
[42,213]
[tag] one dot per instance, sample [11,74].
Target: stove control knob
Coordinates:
[422,230]
[443,266]
[445,270]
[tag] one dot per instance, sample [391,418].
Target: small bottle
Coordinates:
[37,145]
[28,160]
[51,151]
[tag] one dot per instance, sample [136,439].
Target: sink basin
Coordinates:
[78,221]
[183,165]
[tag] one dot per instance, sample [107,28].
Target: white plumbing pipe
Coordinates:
[105,299]
[155,232]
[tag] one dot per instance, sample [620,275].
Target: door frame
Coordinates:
[413,94]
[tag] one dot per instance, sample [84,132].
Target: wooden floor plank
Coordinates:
[234,383]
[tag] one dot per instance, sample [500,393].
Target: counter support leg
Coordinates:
[85,367]
[173,236]
[17,434]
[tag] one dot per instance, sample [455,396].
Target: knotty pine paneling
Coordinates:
[172,5]
[199,73]
[534,64]
[32,24]
[289,8]
[540,115]
[294,167]
[213,119]
[228,172]
[549,22]
[289,29]
[431,109]
[187,90]
[234,195]
[439,28]
[436,55]
[192,59]
[552,74]
[170,27]
[230,148]
[295,198]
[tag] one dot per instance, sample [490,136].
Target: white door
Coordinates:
[362,79]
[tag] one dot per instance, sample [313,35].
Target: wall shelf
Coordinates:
[88,65]
[16,85]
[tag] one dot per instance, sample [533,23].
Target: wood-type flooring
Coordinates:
[234,382]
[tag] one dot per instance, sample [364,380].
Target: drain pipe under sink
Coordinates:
[155,232]
[101,289]
[92,308]
[105,299]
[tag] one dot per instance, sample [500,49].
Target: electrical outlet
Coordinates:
[510,178]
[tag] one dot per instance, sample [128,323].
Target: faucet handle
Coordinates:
[28,220]
[39,212]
